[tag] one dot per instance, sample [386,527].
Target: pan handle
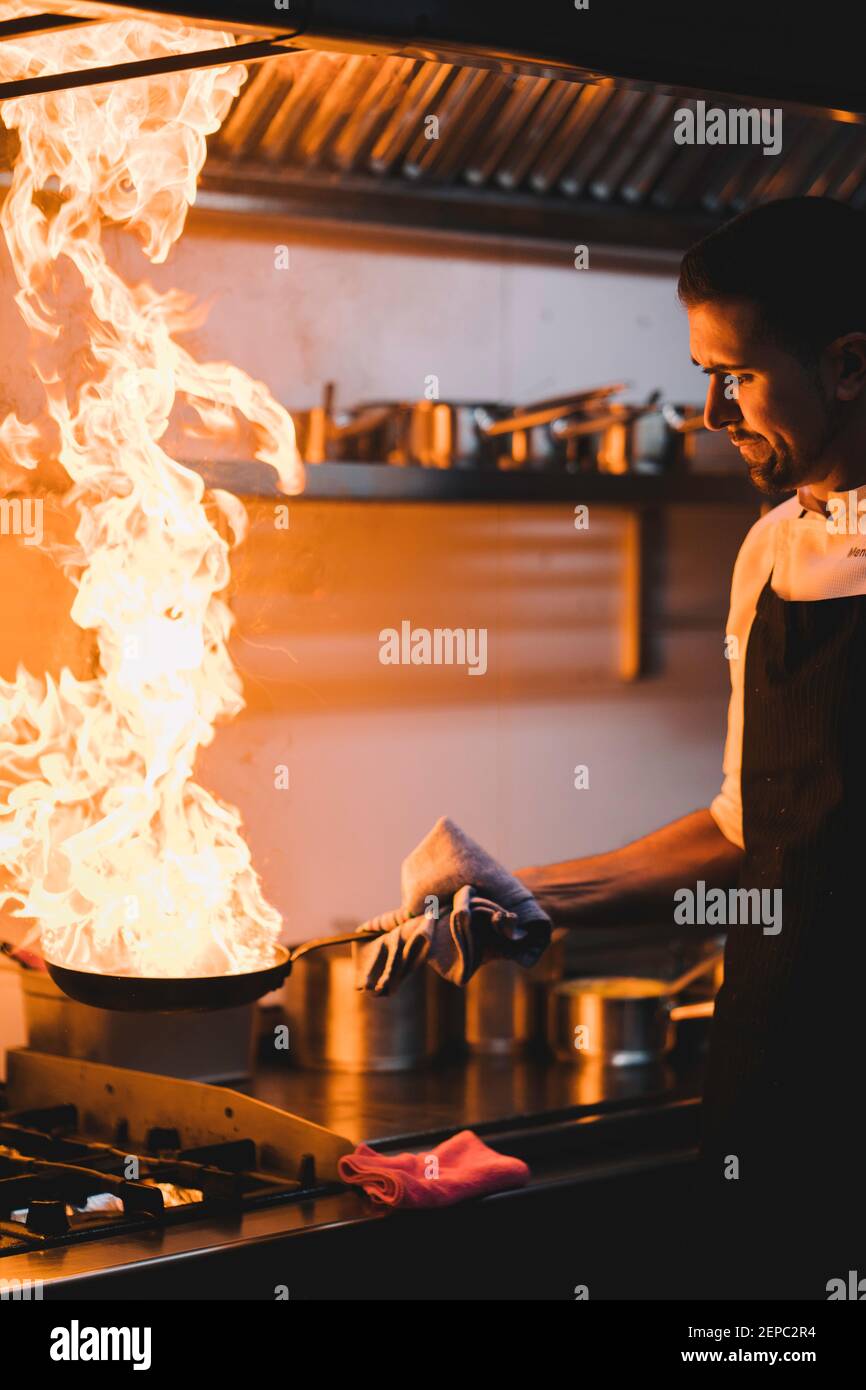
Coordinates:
[318,943]
[529,419]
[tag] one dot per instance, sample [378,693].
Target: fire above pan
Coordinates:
[125,863]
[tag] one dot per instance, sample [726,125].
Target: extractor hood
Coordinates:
[559,119]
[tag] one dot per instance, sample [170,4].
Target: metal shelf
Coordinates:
[382,482]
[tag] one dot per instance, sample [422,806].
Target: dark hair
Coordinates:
[800,261]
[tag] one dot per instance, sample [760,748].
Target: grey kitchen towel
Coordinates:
[459,908]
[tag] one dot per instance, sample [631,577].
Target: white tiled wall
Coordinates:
[377,316]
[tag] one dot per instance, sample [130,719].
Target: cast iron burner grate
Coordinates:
[57,1188]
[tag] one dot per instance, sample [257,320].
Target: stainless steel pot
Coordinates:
[617,439]
[621,1020]
[193,1046]
[335,1027]
[423,433]
[527,437]
[506,1004]
[312,427]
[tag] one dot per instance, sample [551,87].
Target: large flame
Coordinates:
[126,864]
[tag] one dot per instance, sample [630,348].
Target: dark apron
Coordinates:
[785,1087]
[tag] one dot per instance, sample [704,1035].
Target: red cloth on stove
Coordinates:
[463,1166]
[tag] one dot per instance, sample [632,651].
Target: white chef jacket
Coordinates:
[811,555]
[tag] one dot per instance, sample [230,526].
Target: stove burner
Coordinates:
[57,1187]
[140,1153]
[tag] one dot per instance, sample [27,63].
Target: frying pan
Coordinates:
[187,994]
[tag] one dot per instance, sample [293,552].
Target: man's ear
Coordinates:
[848,355]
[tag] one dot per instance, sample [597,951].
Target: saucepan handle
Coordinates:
[703,1008]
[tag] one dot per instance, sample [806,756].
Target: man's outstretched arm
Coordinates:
[637,882]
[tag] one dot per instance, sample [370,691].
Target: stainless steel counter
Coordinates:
[481,1093]
[603,1150]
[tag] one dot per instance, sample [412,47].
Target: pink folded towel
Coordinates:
[461,1167]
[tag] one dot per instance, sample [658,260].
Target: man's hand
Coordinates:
[460,908]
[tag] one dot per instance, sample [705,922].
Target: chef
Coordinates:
[776,304]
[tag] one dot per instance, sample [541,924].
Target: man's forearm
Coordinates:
[638,881]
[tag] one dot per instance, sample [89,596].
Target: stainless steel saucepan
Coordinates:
[622,1020]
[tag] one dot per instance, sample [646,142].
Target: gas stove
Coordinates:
[100,1156]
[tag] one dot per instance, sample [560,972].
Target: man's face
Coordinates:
[776,411]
